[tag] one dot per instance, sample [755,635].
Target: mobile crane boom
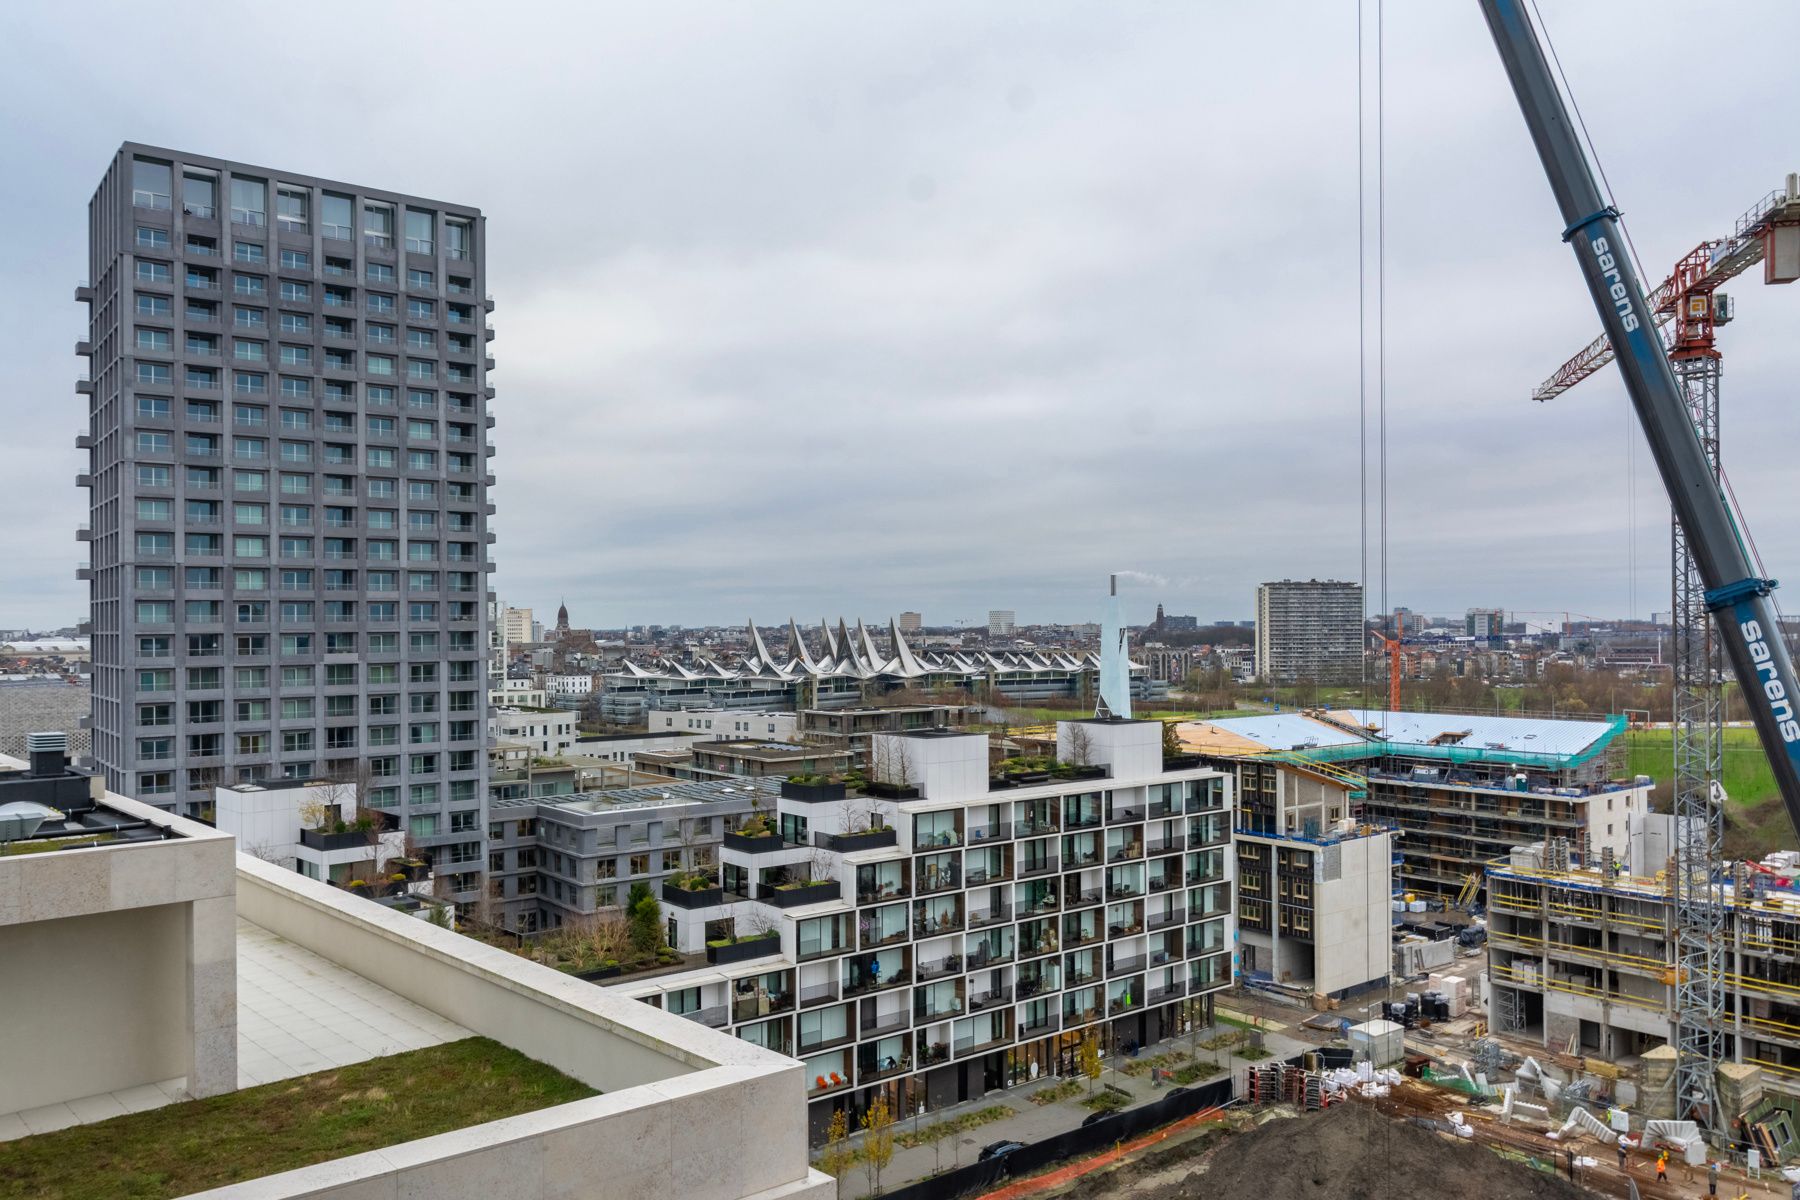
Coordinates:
[1738,599]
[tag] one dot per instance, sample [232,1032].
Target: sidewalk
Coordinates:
[1030,1122]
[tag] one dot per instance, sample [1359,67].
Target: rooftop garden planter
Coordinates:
[793,895]
[871,839]
[1180,762]
[743,949]
[319,839]
[892,791]
[811,790]
[753,843]
[682,893]
[1001,782]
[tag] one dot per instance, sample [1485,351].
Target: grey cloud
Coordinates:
[811,308]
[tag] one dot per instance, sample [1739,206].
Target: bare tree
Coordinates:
[1081,744]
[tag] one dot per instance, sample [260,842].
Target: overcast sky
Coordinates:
[821,308]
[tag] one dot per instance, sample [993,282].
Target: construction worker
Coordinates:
[1624,1163]
[1712,1177]
[1662,1167]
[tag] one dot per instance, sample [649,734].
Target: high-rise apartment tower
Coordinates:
[288,409]
[1309,629]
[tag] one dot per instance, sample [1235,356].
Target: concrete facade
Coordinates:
[1309,629]
[119,964]
[288,427]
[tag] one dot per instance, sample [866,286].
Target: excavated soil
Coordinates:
[1348,1152]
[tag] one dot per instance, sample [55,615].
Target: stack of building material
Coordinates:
[1455,991]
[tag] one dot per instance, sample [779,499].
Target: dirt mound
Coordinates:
[1352,1152]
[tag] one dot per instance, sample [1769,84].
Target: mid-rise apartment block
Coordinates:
[1001,622]
[1309,629]
[939,938]
[288,428]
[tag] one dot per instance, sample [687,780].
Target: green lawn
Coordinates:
[259,1131]
[1747,777]
[1755,821]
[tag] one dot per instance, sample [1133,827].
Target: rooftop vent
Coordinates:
[21,818]
[48,753]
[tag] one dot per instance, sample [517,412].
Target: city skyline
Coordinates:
[841,241]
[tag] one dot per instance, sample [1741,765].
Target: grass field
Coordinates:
[259,1131]
[1755,821]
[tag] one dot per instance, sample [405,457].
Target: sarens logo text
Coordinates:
[1621,298]
[1773,688]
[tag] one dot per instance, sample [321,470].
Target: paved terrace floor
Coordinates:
[297,1013]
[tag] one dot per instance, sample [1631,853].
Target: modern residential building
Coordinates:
[911,622]
[841,668]
[854,730]
[1485,624]
[1460,788]
[1001,622]
[561,858]
[745,759]
[517,626]
[718,722]
[569,687]
[518,693]
[1582,954]
[939,939]
[549,731]
[288,431]
[162,968]
[1315,880]
[1309,629]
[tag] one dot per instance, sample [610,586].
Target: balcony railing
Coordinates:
[898,1019]
[996,832]
[952,965]
[992,916]
[990,998]
[1125,966]
[714,1017]
[1041,866]
[1048,1023]
[818,993]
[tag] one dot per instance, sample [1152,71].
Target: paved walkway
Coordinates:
[1031,1122]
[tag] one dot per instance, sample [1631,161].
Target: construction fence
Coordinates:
[1086,1139]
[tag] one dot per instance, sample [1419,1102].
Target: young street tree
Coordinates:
[1089,1060]
[878,1141]
[838,1156]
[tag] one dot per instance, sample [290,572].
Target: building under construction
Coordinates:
[1583,960]
[1462,789]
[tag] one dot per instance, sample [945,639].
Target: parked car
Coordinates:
[998,1150]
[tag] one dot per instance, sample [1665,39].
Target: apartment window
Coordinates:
[152,239]
[419,368]
[296,579]
[153,408]
[421,310]
[199,244]
[420,281]
[381,364]
[295,260]
[155,510]
[157,680]
[158,545]
[459,239]
[381,395]
[150,183]
[154,272]
[154,374]
[379,273]
[204,544]
[382,335]
[249,285]
[296,388]
[378,225]
[249,318]
[337,297]
[344,674]
[249,252]
[420,339]
[336,217]
[199,195]
[152,306]
[201,378]
[381,305]
[291,206]
[419,238]
[250,383]
[249,201]
[296,292]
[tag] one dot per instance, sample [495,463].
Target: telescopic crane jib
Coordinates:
[1725,584]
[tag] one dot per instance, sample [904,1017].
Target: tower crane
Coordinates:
[1674,391]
